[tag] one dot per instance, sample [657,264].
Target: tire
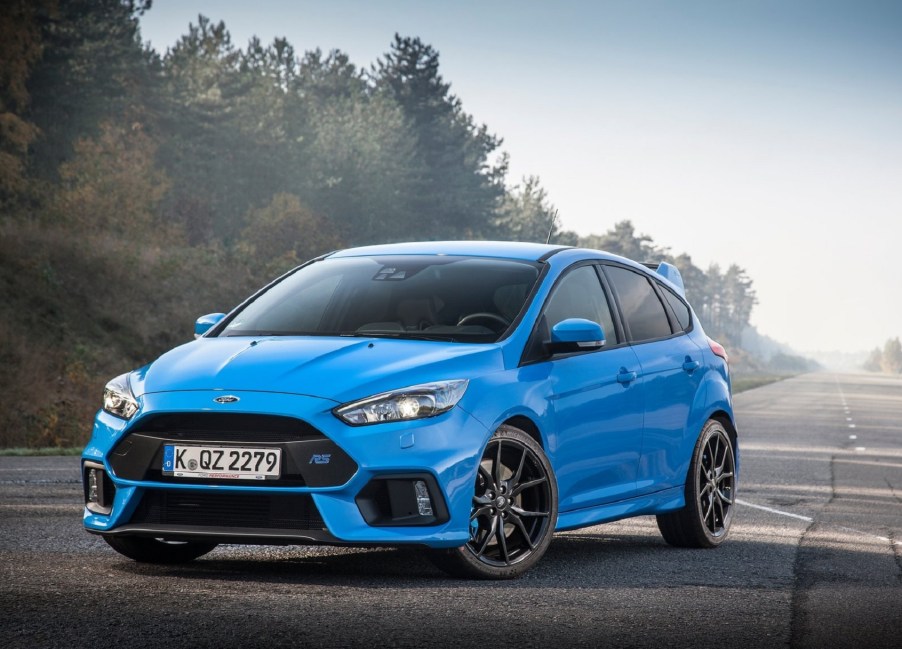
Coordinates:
[514,511]
[148,550]
[710,493]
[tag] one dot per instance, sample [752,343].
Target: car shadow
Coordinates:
[592,560]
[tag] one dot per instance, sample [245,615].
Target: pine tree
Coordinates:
[459,187]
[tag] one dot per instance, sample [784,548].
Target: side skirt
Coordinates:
[656,503]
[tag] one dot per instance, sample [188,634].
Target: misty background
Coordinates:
[143,184]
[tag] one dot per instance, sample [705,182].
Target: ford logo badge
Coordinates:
[229,398]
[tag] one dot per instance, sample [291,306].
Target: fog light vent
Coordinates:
[424,502]
[99,489]
[402,500]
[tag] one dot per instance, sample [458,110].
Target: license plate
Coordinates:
[222,463]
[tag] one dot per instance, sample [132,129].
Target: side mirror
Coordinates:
[575,335]
[206,322]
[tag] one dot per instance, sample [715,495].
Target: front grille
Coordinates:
[139,455]
[228,427]
[241,510]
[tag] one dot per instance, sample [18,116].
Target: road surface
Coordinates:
[814,560]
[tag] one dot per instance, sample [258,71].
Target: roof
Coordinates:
[503,249]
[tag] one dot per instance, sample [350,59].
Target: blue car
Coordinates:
[470,397]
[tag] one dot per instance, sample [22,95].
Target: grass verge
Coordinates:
[47,450]
[743,383]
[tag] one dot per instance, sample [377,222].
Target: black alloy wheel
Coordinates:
[710,493]
[513,514]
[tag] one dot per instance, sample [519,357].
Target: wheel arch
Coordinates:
[528,426]
[725,420]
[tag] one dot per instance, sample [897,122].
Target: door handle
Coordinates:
[626,377]
[691,365]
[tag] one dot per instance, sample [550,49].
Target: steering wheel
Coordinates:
[485,315]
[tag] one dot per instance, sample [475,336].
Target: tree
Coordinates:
[93,69]
[891,362]
[526,214]
[203,147]
[284,234]
[459,188]
[874,360]
[622,240]
[112,185]
[359,169]
[21,48]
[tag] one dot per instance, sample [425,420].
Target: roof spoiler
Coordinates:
[668,272]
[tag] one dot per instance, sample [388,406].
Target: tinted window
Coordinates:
[413,296]
[580,295]
[679,308]
[642,310]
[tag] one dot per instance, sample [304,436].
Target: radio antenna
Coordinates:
[551,226]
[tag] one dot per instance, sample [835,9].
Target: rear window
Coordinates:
[642,311]
[680,310]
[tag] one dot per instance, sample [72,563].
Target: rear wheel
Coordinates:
[513,514]
[148,550]
[710,493]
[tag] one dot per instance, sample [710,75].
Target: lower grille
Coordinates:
[241,510]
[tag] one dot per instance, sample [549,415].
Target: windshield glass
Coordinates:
[430,297]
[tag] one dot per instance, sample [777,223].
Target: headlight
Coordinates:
[415,402]
[118,399]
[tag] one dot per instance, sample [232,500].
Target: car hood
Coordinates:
[336,368]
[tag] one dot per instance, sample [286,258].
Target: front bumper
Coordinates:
[442,451]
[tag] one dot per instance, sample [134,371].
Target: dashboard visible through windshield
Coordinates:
[467,299]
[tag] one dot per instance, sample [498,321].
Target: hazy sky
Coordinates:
[766,134]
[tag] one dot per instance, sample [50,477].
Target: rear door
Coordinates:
[671,371]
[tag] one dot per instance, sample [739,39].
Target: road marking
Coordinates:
[851,425]
[807,519]
[853,436]
[861,448]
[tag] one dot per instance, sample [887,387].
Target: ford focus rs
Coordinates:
[470,397]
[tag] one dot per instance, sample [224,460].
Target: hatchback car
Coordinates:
[471,397]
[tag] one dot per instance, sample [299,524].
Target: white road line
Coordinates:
[745,503]
[809,519]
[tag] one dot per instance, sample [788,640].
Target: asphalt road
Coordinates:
[815,560]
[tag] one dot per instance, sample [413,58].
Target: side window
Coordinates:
[580,295]
[642,311]
[679,309]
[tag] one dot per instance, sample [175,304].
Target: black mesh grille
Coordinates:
[227,427]
[242,510]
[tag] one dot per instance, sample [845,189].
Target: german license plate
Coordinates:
[222,463]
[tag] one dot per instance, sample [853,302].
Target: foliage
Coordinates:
[111,183]
[458,188]
[93,68]
[284,234]
[887,360]
[20,48]
[527,215]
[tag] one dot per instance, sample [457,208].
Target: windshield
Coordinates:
[429,297]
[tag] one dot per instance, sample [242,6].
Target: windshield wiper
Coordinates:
[412,335]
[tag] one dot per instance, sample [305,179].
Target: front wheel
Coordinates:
[148,550]
[710,493]
[513,514]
